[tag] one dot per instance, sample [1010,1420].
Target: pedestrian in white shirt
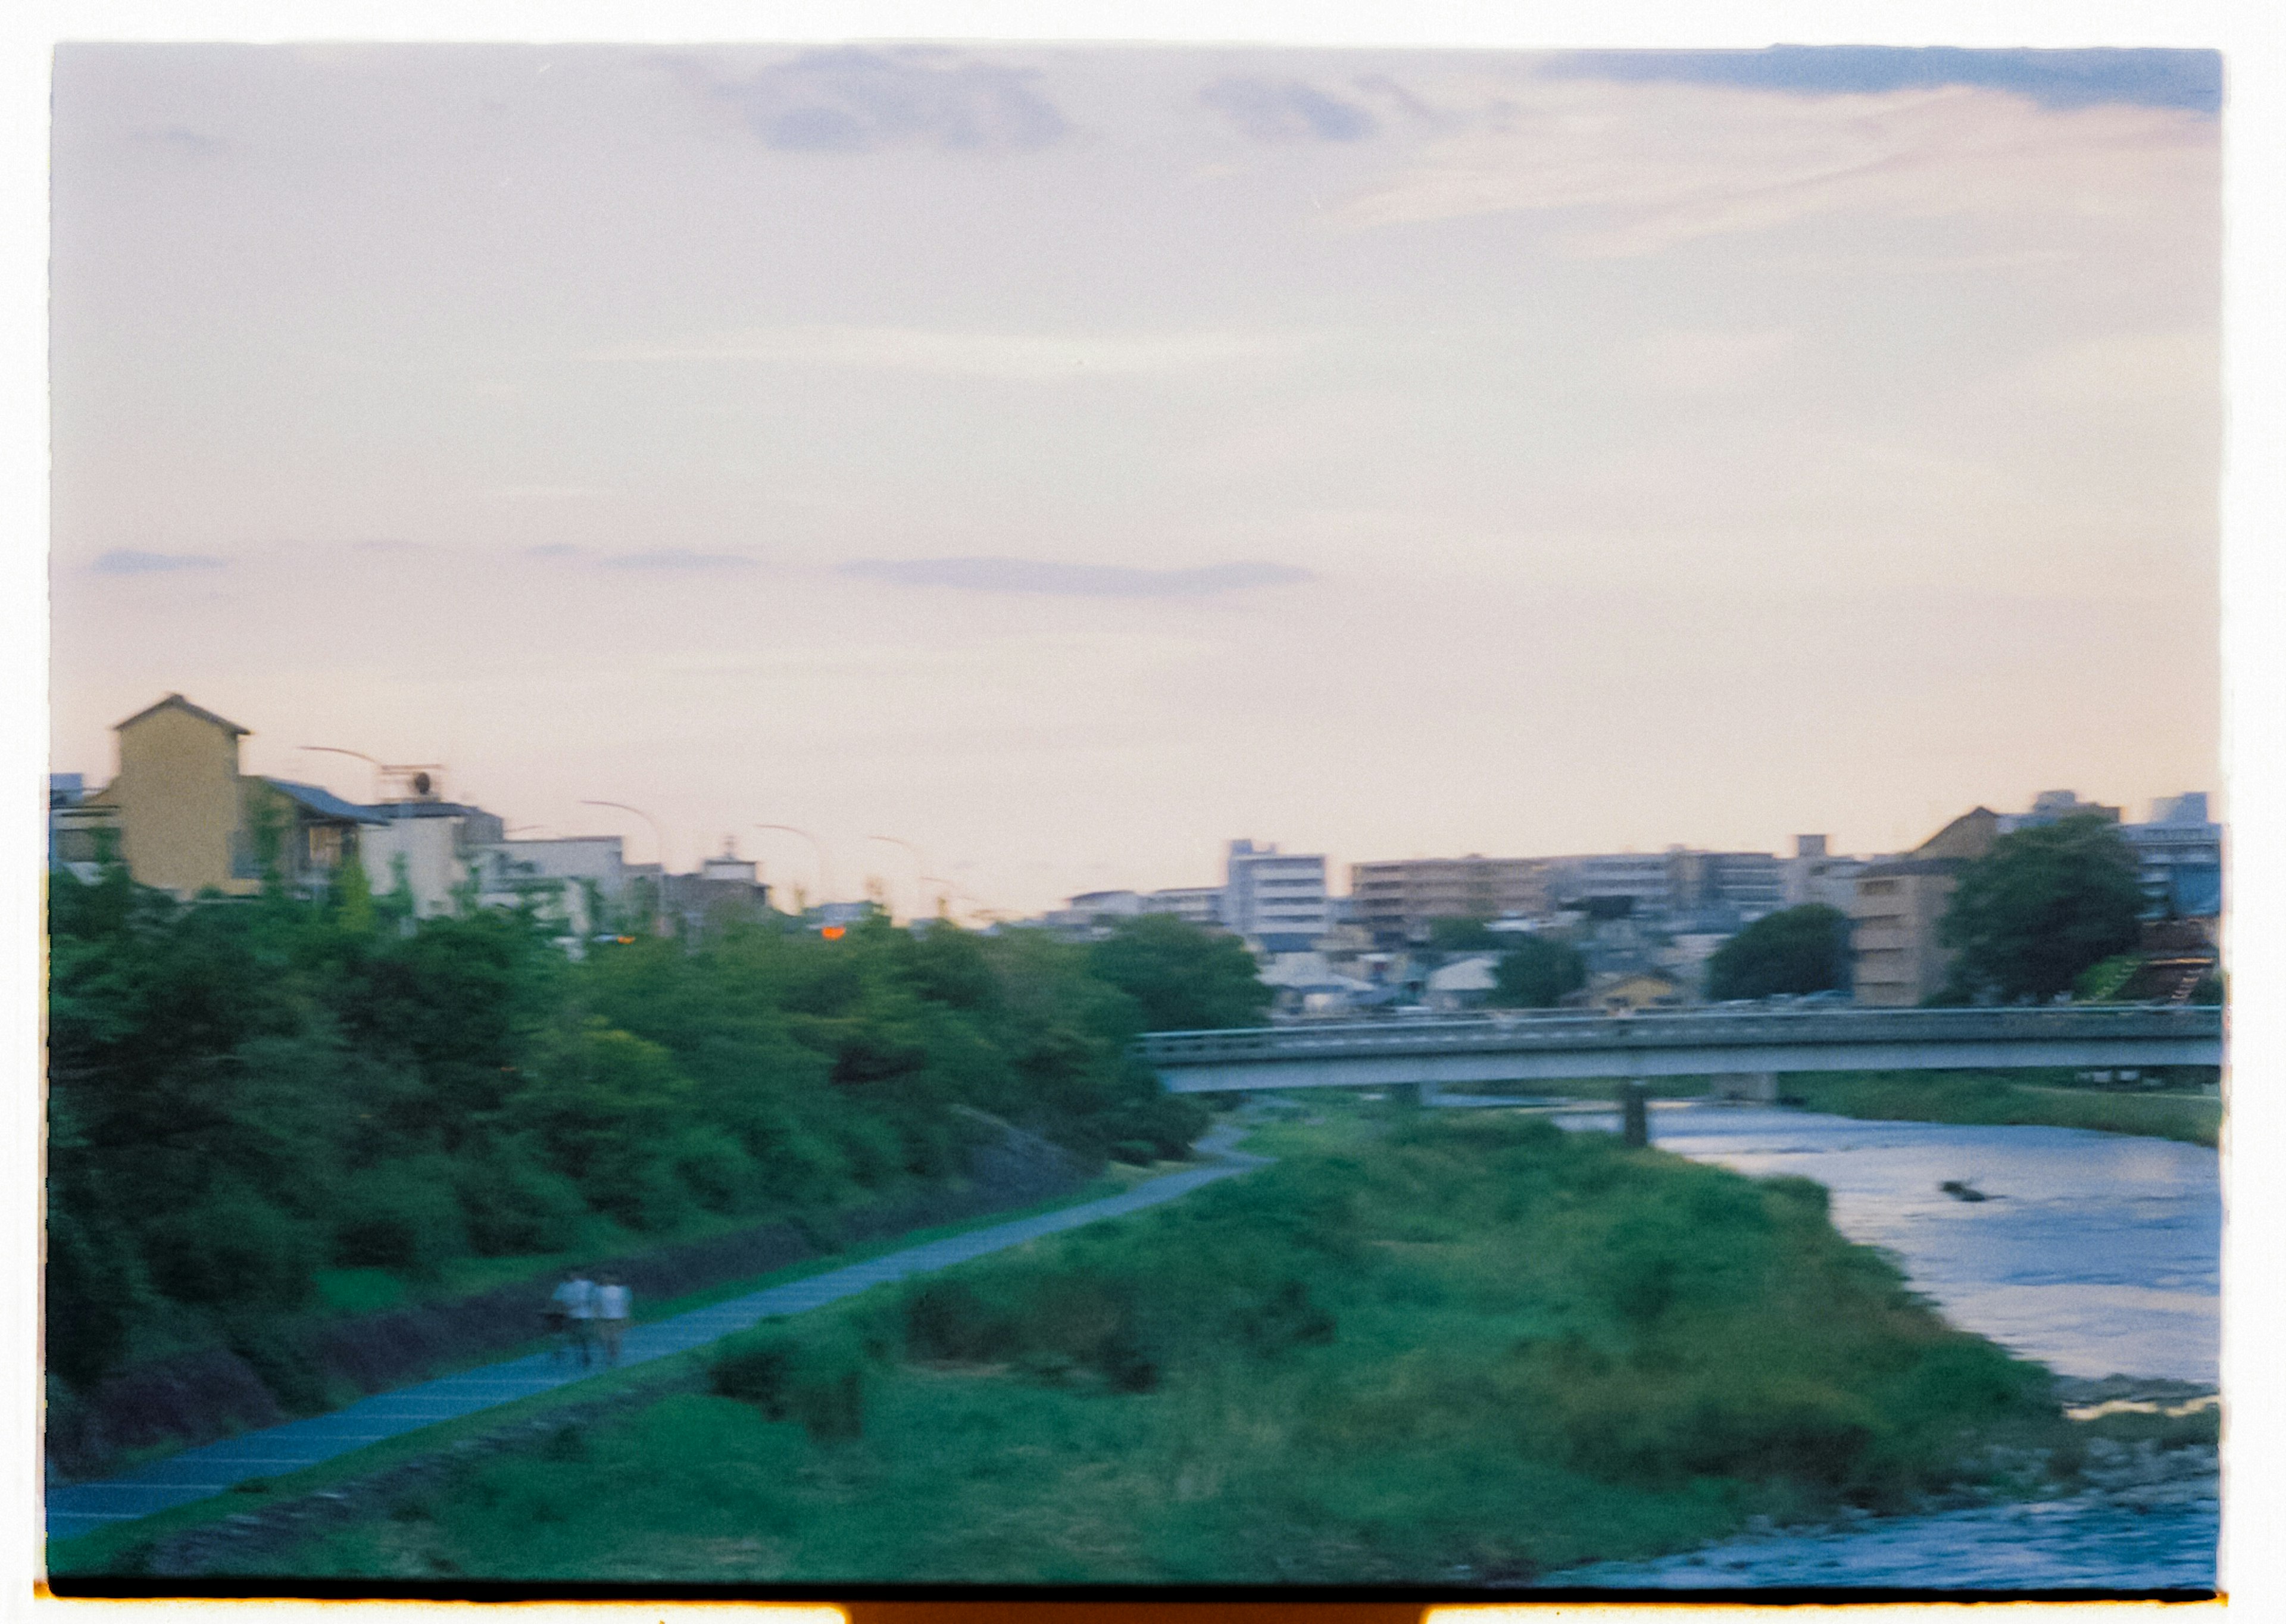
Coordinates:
[575,1299]
[614,1302]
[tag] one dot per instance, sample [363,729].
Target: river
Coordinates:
[2097,1254]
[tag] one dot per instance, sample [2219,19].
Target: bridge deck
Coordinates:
[1686,1043]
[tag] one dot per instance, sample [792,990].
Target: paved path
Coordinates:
[194,1474]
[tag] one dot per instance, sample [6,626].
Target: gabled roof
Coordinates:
[322,803]
[177,703]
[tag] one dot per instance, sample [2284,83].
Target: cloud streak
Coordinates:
[1636,170]
[852,100]
[1080,580]
[2191,80]
[1005,357]
[1288,110]
[129,560]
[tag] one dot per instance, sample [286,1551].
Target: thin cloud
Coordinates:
[178,139]
[857,101]
[1288,110]
[675,558]
[1083,580]
[1007,357]
[1636,170]
[2190,80]
[128,561]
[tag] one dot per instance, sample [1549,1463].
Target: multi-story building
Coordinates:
[1898,902]
[2052,806]
[1275,898]
[1396,899]
[1201,905]
[185,819]
[1738,886]
[1815,875]
[1641,877]
[2180,854]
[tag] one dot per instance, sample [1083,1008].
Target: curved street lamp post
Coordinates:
[658,893]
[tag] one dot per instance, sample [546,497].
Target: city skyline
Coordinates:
[1067,459]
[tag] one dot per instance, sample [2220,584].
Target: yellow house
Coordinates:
[188,821]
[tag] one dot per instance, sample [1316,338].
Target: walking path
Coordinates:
[194,1474]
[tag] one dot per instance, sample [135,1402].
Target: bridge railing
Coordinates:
[1680,1028]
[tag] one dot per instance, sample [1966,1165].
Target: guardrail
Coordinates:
[1680,1028]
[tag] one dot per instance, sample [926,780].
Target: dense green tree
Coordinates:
[2043,905]
[1462,936]
[1537,972]
[1799,949]
[1185,979]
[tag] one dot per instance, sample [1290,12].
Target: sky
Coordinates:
[1065,459]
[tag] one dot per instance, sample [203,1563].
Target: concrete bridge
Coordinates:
[1750,1047]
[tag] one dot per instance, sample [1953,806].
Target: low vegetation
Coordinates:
[1420,1349]
[2004,1099]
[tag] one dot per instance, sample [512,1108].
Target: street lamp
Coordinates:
[659,841]
[920,864]
[824,885]
[416,777]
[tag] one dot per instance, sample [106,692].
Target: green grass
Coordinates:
[102,1552]
[1999,1098]
[1423,1347]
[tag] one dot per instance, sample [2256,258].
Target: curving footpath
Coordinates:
[194,1474]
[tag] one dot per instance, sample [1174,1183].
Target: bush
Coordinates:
[233,1248]
[818,1379]
[514,1206]
[401,1215]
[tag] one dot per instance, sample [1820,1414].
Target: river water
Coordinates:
[2096,1254]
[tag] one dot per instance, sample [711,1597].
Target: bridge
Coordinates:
[1754,1044]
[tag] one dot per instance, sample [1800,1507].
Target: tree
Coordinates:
[1800,950]
[2043,904]
[1536,974]
[1468,935]
[1187,979]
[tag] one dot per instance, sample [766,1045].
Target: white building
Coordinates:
[1277,898]
[575,881]
[1198,905]
[1815,875]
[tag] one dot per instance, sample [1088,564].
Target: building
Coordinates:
[1200,905]
[1624,992]
[1643,878]
[1896,905]
[726,888]
[1275,898]
[185,819]
[424,848]
[2052,806]
[1396,901]
[578,882]
[1463,983]
[1815,875]
[2179,855]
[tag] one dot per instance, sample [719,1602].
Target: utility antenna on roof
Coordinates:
[392,782]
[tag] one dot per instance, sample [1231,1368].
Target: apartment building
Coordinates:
[1396,901]
[1273,897]
[1896,905]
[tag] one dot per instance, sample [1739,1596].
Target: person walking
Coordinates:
[614,1302]
[575,1299]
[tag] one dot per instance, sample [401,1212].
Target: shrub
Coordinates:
[818,1379]
[513,1205]
[401,1215]
[232,1247]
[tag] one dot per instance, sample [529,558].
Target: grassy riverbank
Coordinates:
[2004,1099]
[1432,1348]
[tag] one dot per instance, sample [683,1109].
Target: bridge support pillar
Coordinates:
[1635,1112]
